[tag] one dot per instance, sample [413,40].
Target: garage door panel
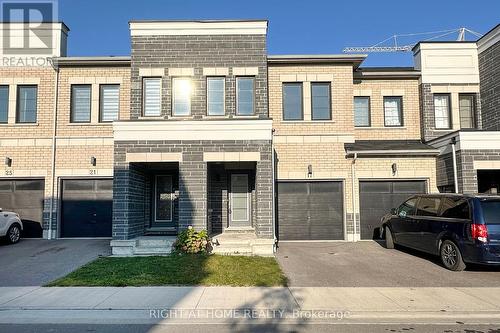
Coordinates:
[378,197]
[310,210]
[87,208]
[25,197]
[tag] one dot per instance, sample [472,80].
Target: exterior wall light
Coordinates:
[8,161]
[309,170]
[93,161]
[394,168]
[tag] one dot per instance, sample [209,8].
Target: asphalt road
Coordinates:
[230,328]
[35,262]
[369,264]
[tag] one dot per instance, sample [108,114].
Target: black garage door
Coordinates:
[378,197]
[86,207]
[25,197]
[310,211]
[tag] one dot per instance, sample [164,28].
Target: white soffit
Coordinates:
[488,40]
[165,28]
[193,130]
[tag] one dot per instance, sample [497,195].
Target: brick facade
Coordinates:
[489,72]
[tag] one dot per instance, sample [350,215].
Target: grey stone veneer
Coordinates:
[466,174]
[198,52]
[489,74]
[129,205]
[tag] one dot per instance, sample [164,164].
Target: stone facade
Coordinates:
[489,72]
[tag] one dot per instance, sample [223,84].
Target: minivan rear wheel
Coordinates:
[389,241]
[451,256]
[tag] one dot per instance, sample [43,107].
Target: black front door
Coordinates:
[87,206]
[163,201]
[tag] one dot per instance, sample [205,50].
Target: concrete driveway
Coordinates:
[35,262]
[369,264]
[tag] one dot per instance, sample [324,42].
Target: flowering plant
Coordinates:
[191,241]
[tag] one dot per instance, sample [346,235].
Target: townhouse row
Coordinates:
[200,126]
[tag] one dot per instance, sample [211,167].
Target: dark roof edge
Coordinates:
[92,61]
[304,59]
[386,72]
[491,30]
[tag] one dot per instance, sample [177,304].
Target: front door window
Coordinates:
[163,198]
[240,200]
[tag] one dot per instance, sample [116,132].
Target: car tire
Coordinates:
[14,233]
[451,256]
[389,240]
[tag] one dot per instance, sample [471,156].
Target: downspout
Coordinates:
[54,132]
[454,155]
[353,177]
[273,162]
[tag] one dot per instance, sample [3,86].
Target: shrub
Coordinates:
[191,241]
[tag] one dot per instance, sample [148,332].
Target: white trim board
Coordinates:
[165,28]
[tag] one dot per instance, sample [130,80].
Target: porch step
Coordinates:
[155,241]
[143,246]
[152,251]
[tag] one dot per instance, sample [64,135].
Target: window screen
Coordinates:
[362,111]
[109,102]
[80,103]
[393,113]
[292,101]
[152,96]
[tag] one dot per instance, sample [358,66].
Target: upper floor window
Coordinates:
[80,103]
[467,110]
[26,104]
[393,111]
[320,101]
[4,104]
[151,96]
[215,96]
[292,101]
[442,111]
[181,98]
[361,111]
[109,102]
[245,96]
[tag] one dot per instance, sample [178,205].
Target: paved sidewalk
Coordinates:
[209,304]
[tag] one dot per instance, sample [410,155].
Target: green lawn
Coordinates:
[207,270]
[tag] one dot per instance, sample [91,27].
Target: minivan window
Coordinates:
[491,211]
[428,206]
[456,208]
[407,208]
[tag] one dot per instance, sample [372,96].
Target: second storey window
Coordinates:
[320,101]
[4,104]
[152,96]
[361,111]
[215,96]
[442,111]
[245,87]
[80,103]
[26,104]
[109,102]
[393,111]
[292,101]
[467,110]
[181,99]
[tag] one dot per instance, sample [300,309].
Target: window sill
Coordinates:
[19,124]
[244,117]
[90,124]
[380,128]
[308,121]
[151,118]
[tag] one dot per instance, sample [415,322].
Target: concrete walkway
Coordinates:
[220,304]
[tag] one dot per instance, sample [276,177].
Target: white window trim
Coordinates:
[174,79]
[254,113]
[144,79]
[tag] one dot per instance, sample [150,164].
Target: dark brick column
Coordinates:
[264,193]
[193,191]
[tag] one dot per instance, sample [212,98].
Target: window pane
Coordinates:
[428,206]
[361,111]
[4,103]
[26,104]
[80,103]
[455,208]
[292,101]
[392,111]
[110,102]
[152,96]
[442,111]
[407,208]
[466,109]
[181,105]
[320,94]
[164,198]
[245,93]
[215,96]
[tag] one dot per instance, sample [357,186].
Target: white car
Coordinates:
[10,226]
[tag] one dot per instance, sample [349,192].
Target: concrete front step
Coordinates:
[155,241]
[152,251]
[143,246]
